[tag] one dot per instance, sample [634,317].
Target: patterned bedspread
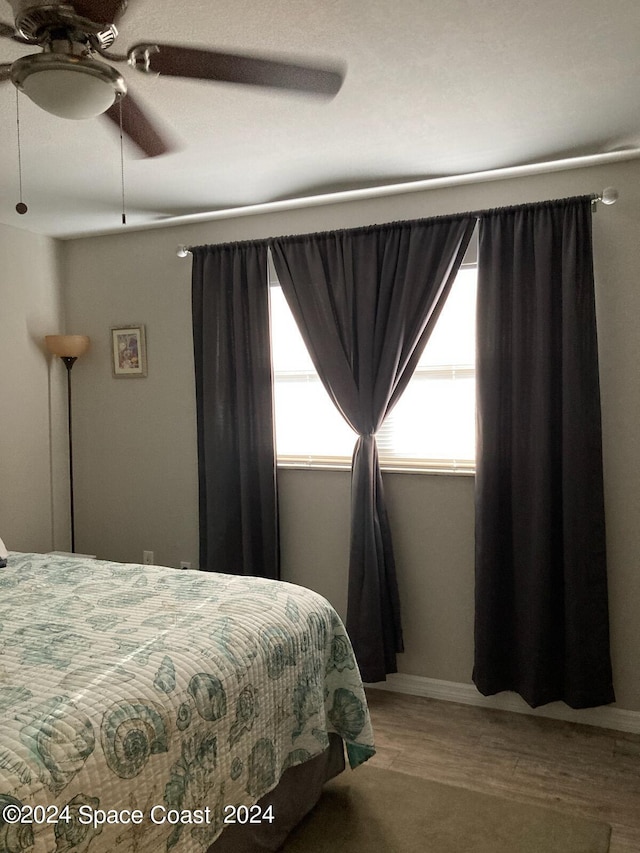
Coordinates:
[142,707]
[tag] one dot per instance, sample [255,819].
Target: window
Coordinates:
[432,427]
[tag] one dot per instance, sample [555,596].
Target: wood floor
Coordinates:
[576,769]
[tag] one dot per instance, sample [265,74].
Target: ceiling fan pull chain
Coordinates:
[124,214]
[21,207]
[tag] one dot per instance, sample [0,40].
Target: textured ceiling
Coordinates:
[432,89]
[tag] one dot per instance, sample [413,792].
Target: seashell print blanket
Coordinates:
[142,707]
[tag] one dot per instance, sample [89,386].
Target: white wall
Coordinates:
[136,446]
[33,513]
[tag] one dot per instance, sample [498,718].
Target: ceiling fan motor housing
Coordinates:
[35,19]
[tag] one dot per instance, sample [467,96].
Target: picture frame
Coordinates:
[128,352]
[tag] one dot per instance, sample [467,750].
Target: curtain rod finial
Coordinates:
[609,195]
[182,251]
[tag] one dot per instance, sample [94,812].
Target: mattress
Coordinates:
[144,708]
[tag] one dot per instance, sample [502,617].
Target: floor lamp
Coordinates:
[68,348]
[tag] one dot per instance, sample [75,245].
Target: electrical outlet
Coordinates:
[184,564]
[147,558]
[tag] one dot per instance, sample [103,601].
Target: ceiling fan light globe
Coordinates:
[68,94]
[68,86]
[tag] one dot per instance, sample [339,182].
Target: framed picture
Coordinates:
[128,351]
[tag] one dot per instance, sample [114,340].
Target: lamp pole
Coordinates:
[68,348]
[69,361]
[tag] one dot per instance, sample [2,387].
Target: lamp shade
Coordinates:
[67,346]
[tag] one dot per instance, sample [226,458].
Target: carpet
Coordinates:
[372,810]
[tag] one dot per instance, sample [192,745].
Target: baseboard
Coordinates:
[606,717]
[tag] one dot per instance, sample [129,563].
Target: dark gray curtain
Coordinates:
[366,301]
[542,625]
[234,401]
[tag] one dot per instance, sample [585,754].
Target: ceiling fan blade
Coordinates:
[138,127]
[5,71]
[101,11]
[177,61]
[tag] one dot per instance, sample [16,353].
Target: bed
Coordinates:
[144,708]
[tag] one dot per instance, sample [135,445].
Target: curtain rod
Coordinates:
[609,195]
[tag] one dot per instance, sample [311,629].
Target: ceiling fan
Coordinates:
[67,79]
